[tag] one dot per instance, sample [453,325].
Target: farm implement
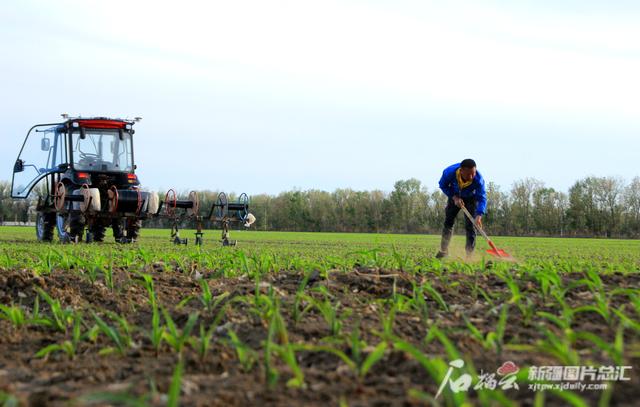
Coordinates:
[494,251]
[85,172]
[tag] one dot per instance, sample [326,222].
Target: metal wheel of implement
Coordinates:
[195,209]
[222,206]
[244,200]
[112,195]
[170,202]
[59,195]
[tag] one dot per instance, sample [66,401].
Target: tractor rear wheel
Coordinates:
[45,222]
[70,227]
[98,231]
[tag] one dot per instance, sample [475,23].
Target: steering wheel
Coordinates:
[89,159]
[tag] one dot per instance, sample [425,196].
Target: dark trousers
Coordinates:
[450,213]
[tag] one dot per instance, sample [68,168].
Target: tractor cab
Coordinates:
[85,172]
[77,148]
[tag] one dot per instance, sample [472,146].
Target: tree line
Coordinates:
[592,207]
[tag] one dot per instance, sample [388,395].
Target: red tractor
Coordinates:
[87,170]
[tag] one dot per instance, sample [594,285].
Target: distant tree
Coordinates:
[608,195]
[498,216]
[549,208]
[436,202]
[631,202]
[376,220]
[522,192]
[580,207]
[406,199]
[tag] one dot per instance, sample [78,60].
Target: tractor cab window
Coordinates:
[102,150]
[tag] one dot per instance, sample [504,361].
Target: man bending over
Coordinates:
[464,186]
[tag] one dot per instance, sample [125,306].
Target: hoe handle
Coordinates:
[478,228]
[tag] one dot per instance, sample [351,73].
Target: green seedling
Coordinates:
[285,350]
[402,261]
[419,303]
[329,310]
[176,384]
[203,342]
[626,320]
[177,338]
[13,314]
[121,337]
[358,364]
[8,400]
[207,299]
[299,298]
[157,329]
[435,295]
[147,283]
[68,346]
[60,318]
[271,373]
[246,356]
[493,339]
[108,274]
[559,347]
[116,399]
[388,320]
[601,307]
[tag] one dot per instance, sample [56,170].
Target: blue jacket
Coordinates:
[449,185]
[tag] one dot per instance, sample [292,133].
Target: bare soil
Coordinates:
[218,379]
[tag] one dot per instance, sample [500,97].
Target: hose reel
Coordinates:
[222,212]
[84,199]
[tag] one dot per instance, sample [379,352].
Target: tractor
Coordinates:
[85,171]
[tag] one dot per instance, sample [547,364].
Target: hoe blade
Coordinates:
[499,253]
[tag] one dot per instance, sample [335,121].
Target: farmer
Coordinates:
[464,187]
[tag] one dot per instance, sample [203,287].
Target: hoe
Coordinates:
[88,182]
[494,251]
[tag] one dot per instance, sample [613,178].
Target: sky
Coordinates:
[267,96]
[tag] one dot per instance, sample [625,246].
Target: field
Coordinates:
[314,319]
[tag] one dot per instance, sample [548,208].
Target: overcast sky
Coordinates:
[265,96]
